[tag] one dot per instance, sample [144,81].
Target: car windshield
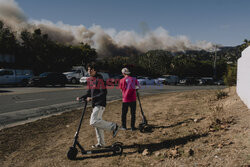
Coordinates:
[44,74]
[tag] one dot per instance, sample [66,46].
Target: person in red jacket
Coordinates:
[128,86]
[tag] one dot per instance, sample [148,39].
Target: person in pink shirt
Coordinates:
[128,86]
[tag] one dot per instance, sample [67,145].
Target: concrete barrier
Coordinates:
[243,77]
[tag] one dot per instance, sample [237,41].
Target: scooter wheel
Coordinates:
[117,149]
[141,127]
[144,128]
[72,153]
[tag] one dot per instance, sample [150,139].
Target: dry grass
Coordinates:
[189,129]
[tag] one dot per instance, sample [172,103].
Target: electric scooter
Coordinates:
[143,126]
[116,148]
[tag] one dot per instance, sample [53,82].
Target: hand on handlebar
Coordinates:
[89,99]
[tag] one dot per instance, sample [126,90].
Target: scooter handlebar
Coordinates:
[82,100]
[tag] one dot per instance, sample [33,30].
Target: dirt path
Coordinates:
[189,129]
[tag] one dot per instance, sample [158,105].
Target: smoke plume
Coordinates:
[107,42]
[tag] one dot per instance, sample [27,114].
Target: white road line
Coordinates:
[25,101]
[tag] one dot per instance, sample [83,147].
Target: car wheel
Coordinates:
[24,82]
[73,81]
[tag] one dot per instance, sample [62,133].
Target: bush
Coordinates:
[230,77]
[221,94]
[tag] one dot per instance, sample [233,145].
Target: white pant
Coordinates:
[99,124]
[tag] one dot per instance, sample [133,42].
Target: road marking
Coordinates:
[25,101]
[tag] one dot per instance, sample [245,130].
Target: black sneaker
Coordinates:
[133,129]
[115,130]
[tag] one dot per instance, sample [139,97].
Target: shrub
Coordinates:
[221,94]
[230,77]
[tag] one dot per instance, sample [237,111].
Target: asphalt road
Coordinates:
[22,104]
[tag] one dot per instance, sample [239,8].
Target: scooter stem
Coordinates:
[80,124]
[143,117]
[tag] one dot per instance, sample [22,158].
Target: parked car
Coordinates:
[115,78]
[104,75]
[75,74]
[219,82]
[147,80]
[169,79]
[141,80]
[189,81]
[206,81]
[15,76]
[84,79]
[48,78]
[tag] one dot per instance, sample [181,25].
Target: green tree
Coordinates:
[8,44]
[156,62]
[230,77]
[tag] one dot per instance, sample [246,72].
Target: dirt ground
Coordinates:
[189,129]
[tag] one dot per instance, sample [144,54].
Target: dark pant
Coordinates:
[125,106]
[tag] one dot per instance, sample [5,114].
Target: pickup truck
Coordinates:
[75,74]
[15,77]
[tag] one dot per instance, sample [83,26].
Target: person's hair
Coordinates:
[93,65]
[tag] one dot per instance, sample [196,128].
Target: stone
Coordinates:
[145,152]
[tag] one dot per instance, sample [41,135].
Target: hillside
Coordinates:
[189,129]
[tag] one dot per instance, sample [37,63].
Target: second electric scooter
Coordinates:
[143,126]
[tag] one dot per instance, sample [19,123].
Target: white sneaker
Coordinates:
[115,130]
[122,128]
[97,146]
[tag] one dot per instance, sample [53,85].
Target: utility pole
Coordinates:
[215,58]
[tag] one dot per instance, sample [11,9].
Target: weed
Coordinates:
[221,95]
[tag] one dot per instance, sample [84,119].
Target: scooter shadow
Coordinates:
[152,147]
[97,156]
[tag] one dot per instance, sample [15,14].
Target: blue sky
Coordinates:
[223,22]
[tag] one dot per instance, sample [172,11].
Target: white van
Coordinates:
[15,76]
[75,74]
[84,79]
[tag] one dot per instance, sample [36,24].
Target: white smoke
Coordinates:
[106,41]
[11,14]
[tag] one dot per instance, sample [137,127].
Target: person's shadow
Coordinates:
[149,128]
[176,124]
[152,147]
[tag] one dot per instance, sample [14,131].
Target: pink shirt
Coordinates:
[127,85]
